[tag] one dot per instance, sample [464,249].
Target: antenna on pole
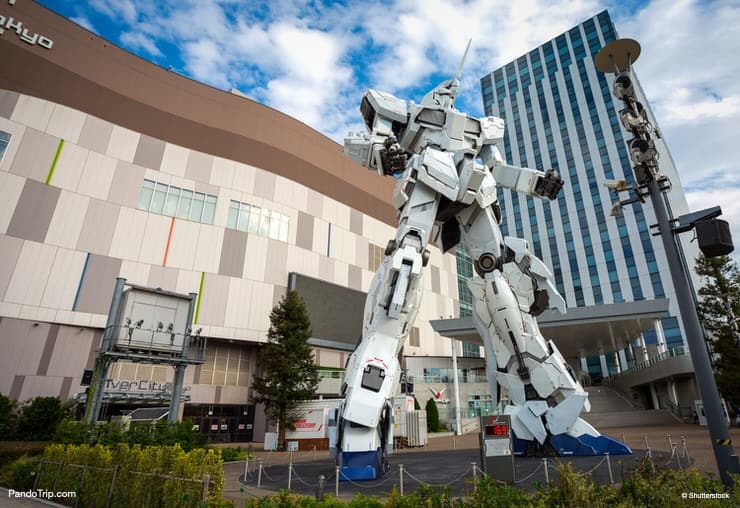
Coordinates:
[462,62]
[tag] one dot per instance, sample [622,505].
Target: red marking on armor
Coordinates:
[378,360]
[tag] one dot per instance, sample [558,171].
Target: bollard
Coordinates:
[647,446]
[336,483]
[400,475]
[475,470]
[674,451]
[314,453]
[609,466]
[547,473]
[246,468]
[624,439]
[290,470]
[269,458]
[320,488]
[206,486]
[259,473]
[454,442]
[670,443]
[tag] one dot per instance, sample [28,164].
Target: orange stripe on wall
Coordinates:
[169,239]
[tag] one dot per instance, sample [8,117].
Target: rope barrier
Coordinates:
[530,475]
[301,480]
[264,473]
[359,485]
[437,484]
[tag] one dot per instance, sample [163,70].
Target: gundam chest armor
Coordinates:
[448,166]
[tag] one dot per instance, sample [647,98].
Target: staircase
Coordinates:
[610,409]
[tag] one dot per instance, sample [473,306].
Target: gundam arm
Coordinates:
[378,149]
[532,182]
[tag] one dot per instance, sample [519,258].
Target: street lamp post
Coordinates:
[618,57]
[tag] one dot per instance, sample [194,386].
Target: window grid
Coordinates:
[173,201]
[4,142]
[257,220]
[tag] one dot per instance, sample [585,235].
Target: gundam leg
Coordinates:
[513,287]
[373,370]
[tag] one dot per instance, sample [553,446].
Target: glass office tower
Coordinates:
[560,113]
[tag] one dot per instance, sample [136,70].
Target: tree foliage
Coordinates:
[39,419]
[719,309]
[289,374]
[432,416]
[7,417]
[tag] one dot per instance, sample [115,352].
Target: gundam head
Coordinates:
[444,94]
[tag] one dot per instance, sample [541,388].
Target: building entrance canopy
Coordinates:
[581,331]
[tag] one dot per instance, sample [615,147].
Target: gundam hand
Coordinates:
[549,186]
[393,157]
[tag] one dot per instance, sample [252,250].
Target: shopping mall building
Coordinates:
[112,167]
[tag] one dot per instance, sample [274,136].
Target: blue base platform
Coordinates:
[360,465]
[585,445]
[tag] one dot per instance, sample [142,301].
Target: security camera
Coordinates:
[616,185]
[139,323]
[160,325]
[623,86]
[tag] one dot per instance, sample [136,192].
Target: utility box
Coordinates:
[416,428]
[496,451]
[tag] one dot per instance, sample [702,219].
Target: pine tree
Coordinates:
[719,309]
[432,416]
[289,374]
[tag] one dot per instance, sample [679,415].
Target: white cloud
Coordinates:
[138,40]
[84,22]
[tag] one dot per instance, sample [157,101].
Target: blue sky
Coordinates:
[313,59]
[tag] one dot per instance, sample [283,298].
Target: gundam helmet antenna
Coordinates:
[462,62]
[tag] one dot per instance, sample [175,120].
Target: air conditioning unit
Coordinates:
[416,427]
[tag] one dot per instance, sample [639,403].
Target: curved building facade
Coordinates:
[113,167]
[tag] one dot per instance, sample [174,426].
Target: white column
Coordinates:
[623,359]
[584,364]
[643,348]
[660,336]
[616,362]
[458,424]
[604,366]
[672,393]
[654,394]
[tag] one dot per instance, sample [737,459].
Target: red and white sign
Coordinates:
[311,426]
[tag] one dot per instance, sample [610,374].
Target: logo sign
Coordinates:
[11,24]
[142,386]
[438,396]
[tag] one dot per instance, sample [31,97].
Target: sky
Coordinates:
[314,59]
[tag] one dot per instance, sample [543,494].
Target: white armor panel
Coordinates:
[387,105]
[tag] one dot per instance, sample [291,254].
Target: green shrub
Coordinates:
[432,416]
[39,419]
[7,417]
[232,454]
[146,476]
[141,433]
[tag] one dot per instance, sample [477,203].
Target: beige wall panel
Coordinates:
[342,216]
[202,394]
[149,152]
[66,223]
[187,281]
[354,277]
[256,256]
[361,252]
[207,248]
[16,132]
[234,394]
[135,273]
[244,178]
[326,269]
[232,254]
[276,264]
[284,191]
[70,353]
[122,144]
[38,386]
[163,277]
[174,159]
[128,234]
[315,204]
[340,273]
[11,249]
[238,302]
[95,134]
[34,211]
[182,245]
[304,231]
[222,172]
[155,239]
[97,288]
[330,211]
[126,184]
[310,264]
[213,300]
[21,347]
[32,112]
[11,187]
[300,197]
[199,166]
[8,100]
[97,175]
[320,236]
[35,155]
[295,259]
[260,308]
[66,123]
[31,273]
[355,222]
[64,279]
[99,226]
[264,185]
[367,278]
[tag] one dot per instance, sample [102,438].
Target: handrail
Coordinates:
[653,360]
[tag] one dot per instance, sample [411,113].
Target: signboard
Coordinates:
[10,24]
[152,321]
[312,425]
[496,450]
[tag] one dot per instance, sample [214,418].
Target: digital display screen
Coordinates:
[499,429]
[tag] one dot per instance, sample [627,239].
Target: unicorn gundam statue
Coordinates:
[449,165]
